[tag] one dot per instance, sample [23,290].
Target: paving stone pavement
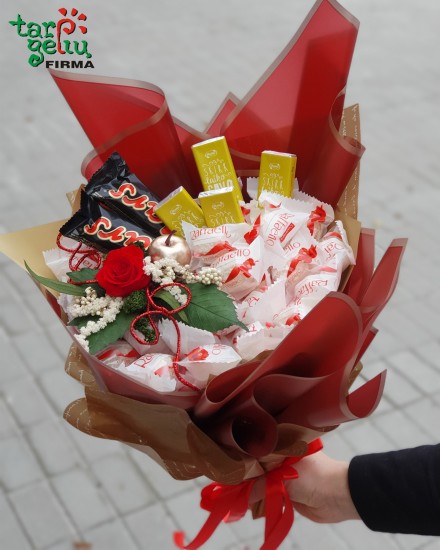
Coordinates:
[58,486]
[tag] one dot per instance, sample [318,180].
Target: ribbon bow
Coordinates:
[230,503]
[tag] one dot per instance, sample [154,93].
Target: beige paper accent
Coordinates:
[74,198]
[351,127]
[347,207]
[168,435]
[29,244]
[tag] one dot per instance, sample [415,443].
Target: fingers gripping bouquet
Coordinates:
[220,306]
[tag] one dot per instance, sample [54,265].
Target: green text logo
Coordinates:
[49,38]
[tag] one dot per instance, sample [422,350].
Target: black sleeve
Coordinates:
[398,491]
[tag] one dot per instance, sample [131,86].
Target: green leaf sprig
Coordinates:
[209,309]
[58,286]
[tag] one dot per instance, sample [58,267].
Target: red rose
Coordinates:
[123,271]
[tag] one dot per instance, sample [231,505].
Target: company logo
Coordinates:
[49,38]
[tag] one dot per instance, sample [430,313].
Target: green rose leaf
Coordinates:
[112,332]
[170,301]
[211,309]
[58,286]
[87,274]
[84,274]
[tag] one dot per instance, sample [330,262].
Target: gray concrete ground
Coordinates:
[58,486]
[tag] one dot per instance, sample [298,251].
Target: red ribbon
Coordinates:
[79,254]
[154,309]
[230,503]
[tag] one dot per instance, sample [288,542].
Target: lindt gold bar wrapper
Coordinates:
[215,166]
[277,173]
[177,207]
[220,207]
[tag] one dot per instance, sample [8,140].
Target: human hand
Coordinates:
[321,492]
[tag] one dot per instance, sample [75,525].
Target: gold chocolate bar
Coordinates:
[220,207]
[215,166]
[277,173]
[177,207]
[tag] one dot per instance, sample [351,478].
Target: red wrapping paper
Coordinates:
[296,107]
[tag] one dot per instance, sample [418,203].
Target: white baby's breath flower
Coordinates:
[82,340]
[106,308]
[210,276]
[168,270]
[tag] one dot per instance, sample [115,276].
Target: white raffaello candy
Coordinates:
[208,243]
[241,269]
[190,337]
[258,339]
[263,303]
[279,225]
[301,239]
[118,354]
[334,250]
[204,362]
[319,215]
[154,370]
[142,349]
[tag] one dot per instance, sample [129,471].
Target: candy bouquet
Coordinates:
[218,287]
